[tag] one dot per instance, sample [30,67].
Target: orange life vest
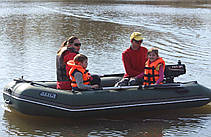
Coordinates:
[78,68]
[151,74]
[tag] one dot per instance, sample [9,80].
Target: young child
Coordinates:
[154,68]
[81,80]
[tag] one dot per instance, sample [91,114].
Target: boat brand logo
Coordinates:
[48,95]
[176,68]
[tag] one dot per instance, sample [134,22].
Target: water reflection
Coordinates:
[183,122]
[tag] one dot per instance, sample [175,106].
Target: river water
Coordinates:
[32,31]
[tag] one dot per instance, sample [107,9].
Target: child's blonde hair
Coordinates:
[155,50]
[80,58]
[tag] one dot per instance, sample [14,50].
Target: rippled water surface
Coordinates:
[32,31]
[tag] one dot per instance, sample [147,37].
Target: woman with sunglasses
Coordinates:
[67,51]
[134,59]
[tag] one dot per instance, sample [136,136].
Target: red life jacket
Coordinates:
[151,74]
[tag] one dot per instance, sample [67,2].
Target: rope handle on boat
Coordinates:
[7,101]
[162,86]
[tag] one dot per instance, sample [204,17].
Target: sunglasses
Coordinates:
[77,44]
[137,41]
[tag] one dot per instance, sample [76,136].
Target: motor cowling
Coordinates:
[172,71]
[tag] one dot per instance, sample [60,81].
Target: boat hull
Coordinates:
[36,99]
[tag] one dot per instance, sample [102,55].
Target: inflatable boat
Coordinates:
[42,97]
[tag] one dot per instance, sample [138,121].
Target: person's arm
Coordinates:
[141,75]
[79,81]
[161,75]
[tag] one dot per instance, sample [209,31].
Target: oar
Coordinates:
[117,88]
[161,86]
[31,82]
[112,75]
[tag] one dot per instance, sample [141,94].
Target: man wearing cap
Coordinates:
[133,58]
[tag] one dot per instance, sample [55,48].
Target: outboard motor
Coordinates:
[172,71]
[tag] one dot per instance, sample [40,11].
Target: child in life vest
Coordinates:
[81,79]
[154,68]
